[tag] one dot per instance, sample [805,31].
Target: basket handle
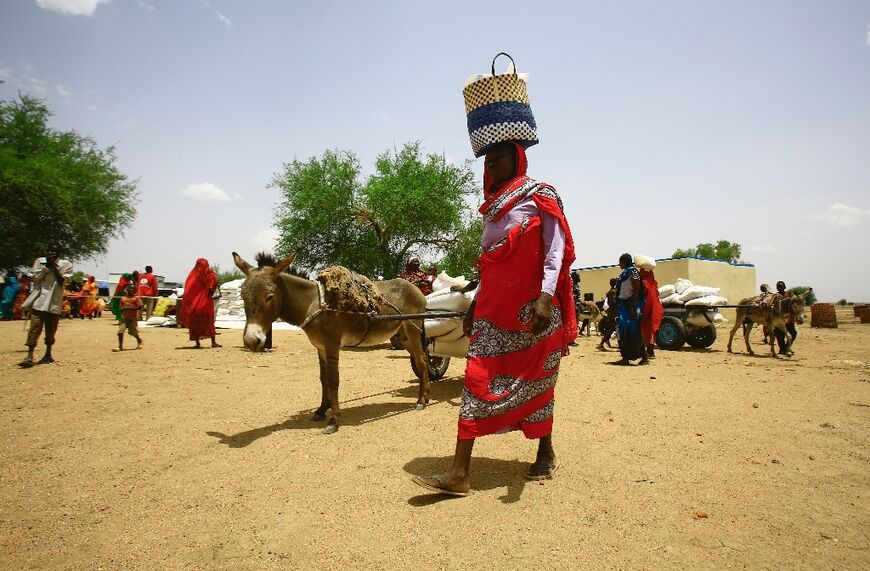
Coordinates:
[508,56]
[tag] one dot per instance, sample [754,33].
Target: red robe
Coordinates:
[197,308]
[652,312]
[510,375]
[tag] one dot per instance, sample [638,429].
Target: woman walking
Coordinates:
[197,309]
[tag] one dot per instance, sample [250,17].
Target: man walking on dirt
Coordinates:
[49,274]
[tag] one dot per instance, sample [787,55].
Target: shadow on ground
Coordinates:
[446,391]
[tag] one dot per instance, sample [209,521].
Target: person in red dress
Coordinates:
[418,277]
[197,310]
[522,319]
[651,314]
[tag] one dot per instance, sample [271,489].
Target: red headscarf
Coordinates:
[197,309]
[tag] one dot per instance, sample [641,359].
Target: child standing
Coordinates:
[130,306]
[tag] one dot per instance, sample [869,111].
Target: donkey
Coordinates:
[771,316]
[269,293]
[588,310]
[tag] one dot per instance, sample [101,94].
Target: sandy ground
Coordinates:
[171,458]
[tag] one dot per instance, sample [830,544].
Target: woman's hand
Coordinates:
[542,313]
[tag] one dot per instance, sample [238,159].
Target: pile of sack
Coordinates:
[230,306]
[684,292]
[448,338]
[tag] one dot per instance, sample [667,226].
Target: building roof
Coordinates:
[736,264]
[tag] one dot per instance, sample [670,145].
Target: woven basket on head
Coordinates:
[823,315]
[498,110]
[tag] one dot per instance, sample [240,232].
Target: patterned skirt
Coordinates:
[510,375]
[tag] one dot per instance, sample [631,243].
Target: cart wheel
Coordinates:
[672,334]
[701,337]
[437,367]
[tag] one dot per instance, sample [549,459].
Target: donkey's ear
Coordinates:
[284,262]
[806,294]
[241,264]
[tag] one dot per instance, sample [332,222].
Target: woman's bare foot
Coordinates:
[542,469]
[443,484]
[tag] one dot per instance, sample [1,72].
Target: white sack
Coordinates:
[698,291]
[443,281]
[230,305]
[708,300]
[697,318]
[644,262]
[446,300]
[682,285]
[673,298]
[439,327]
[454,335]
[666,290]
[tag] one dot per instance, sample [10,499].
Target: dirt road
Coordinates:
[172,458]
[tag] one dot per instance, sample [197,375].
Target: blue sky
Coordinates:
[662,124]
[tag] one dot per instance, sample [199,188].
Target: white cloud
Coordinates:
[224,20]
[206,192]
[75,7]
[145,5]
[762,248]
[63,92]
[840,214]
[867,40]
[266,239]
[228,24]
[378,116]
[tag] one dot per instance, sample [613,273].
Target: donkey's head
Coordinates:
[798,304]
[261,295]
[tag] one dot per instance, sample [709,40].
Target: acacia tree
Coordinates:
[798,290]
[56,186]
[722,250]
[462,254]
[411,205]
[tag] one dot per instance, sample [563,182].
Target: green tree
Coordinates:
[411,205]
[843,302]
[56,186]
[798,290]
[722,250]
[460,257]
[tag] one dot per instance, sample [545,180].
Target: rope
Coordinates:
[321,295]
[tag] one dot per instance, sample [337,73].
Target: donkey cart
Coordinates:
[692,324]
[437,351]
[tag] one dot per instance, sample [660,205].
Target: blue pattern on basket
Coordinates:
[500,112]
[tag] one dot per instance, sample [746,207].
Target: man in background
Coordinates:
[49,274]
[148,293]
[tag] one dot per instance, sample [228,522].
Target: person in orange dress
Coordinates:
[88,301]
